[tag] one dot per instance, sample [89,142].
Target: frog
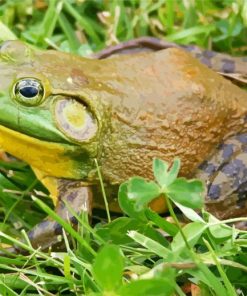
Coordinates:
[63,114]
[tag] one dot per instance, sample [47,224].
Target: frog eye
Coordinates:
[75,120]
[28,92]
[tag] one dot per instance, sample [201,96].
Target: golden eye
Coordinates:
[28,92]
[75,120]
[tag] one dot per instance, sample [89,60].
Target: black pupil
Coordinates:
[29,91]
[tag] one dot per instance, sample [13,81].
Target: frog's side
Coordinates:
[123,111]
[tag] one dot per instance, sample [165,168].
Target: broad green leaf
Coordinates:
[142,191]
[187,193]
[154,287]
[160,169]
[116,231]
[205,275]
[192,232]
[108,267]
[236,28]
[173,172]
[127,205]
[229,287]
[168,227]
[152,245]
[220,230]
[164,176]
[189,213]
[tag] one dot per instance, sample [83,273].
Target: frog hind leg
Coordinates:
[225,175]
[76,195]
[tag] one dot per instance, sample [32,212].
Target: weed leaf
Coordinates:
[142,191]
[108,267]
[187,193]
[161,173]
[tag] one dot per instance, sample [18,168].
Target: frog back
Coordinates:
[165,104]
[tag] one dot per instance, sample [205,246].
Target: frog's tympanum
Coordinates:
[60,112]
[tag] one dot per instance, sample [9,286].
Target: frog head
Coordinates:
[46,119]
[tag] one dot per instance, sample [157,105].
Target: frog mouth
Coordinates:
[10,137]
[59,119]
[56,159]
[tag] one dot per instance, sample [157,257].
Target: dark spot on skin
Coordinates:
[239,182]
[214,192]
[228,66]
[78,77]
[242,195]
[73,220]
[71,196]
[233,168]
[206,61]
[211,168]
[207,167]
[243,188]
[61,205]
[189,47]
[203,165]
[44,224]
[209,54]
[227,151]
[57,229]
[242,138]
[31,234]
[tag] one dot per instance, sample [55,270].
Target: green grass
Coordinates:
[85,26]
[107,257]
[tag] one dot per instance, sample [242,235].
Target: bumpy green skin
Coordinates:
[163,104]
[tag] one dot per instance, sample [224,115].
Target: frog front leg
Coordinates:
[225,175]
[76,195]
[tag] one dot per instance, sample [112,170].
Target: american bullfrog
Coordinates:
[59,112]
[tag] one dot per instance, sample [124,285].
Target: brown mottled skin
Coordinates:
[161,104]
[232,67]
